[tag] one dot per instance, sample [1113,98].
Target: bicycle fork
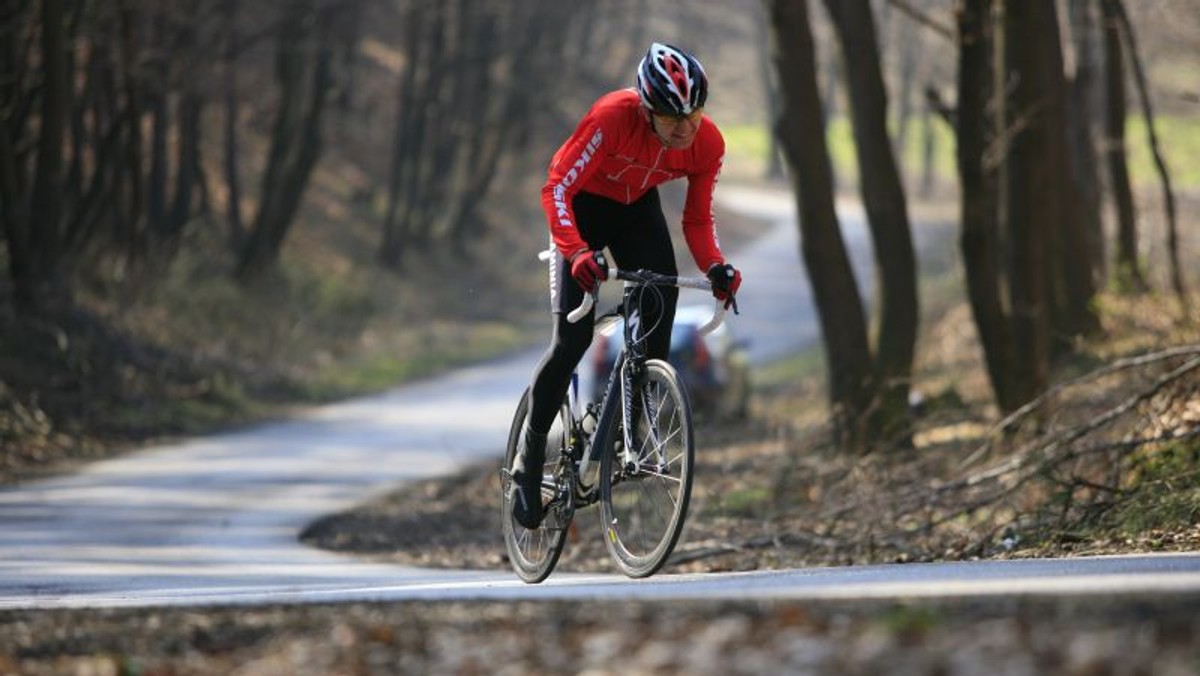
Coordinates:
[637,402]
[624,390]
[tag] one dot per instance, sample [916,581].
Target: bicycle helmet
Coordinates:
[671,81]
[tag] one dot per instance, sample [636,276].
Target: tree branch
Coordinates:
[924,19]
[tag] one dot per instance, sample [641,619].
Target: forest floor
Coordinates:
[772,492]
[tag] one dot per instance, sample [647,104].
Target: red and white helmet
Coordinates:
[671,81]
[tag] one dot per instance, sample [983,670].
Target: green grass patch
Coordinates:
[747,147]
[1160,496]
[1165,493]
[1179,142]
[435,348]
[933,143]
[806,365]
[747,143]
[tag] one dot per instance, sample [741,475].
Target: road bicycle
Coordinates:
[632,452]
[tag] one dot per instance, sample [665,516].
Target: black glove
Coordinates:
[589,268]
[725,281]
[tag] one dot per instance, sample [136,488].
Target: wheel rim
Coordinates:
[645,509]
[533,553]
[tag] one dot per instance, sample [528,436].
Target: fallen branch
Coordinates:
[1046,452]
[1119,365]
[996,487]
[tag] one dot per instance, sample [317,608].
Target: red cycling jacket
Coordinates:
[614,153]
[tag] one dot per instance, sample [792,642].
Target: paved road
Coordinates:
[214,520]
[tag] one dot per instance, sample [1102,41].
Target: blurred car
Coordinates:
[714,368]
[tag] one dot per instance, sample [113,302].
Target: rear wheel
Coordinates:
[643,504]
[534,553]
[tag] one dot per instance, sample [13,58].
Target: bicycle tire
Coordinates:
[643,512]
[534,553]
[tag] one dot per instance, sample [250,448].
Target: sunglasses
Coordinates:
[673,120]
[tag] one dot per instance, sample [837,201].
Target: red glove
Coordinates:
[725,282]
[588,268]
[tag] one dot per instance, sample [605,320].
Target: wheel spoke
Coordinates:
[660,476]
[645,508]
[534,553]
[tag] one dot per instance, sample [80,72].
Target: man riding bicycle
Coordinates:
[601,192]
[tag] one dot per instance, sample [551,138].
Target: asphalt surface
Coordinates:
[214,520]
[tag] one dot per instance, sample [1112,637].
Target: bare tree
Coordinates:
[1117,11]
[417,149]
[887,210]
[461,105]
[1083,114]
[774,168]
[1033,207]
[1072,282]
[980,237]
[800,127]
[303,68]
[35,218]
[233,182]
[1129,267]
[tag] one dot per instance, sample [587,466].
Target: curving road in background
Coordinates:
[214,520]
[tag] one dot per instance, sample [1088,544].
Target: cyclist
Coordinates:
[601,193]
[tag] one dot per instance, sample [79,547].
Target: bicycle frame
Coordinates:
[627,368]
[616,391]
[599,436]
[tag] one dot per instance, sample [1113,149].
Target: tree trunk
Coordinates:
[429,143]
[233,183]
[189,106]
[1074,316]
[188,173]
[158,107]
[130,223]
[887,211]
[303,65]
[44,219]
[15,218]
[1159,163]
[774,170]
[1129,269]
[1033,207]
[477,162]
[443,129]
[979,237]
[801,132]
[408,107]
[14,201]
[1083,147]
[904,113]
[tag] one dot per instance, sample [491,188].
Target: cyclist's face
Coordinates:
[677,132]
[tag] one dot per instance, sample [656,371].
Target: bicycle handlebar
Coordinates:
[654,279]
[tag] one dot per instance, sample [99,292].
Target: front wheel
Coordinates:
[643,503]
[534,553]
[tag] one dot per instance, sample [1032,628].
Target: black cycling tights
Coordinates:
[637,236]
